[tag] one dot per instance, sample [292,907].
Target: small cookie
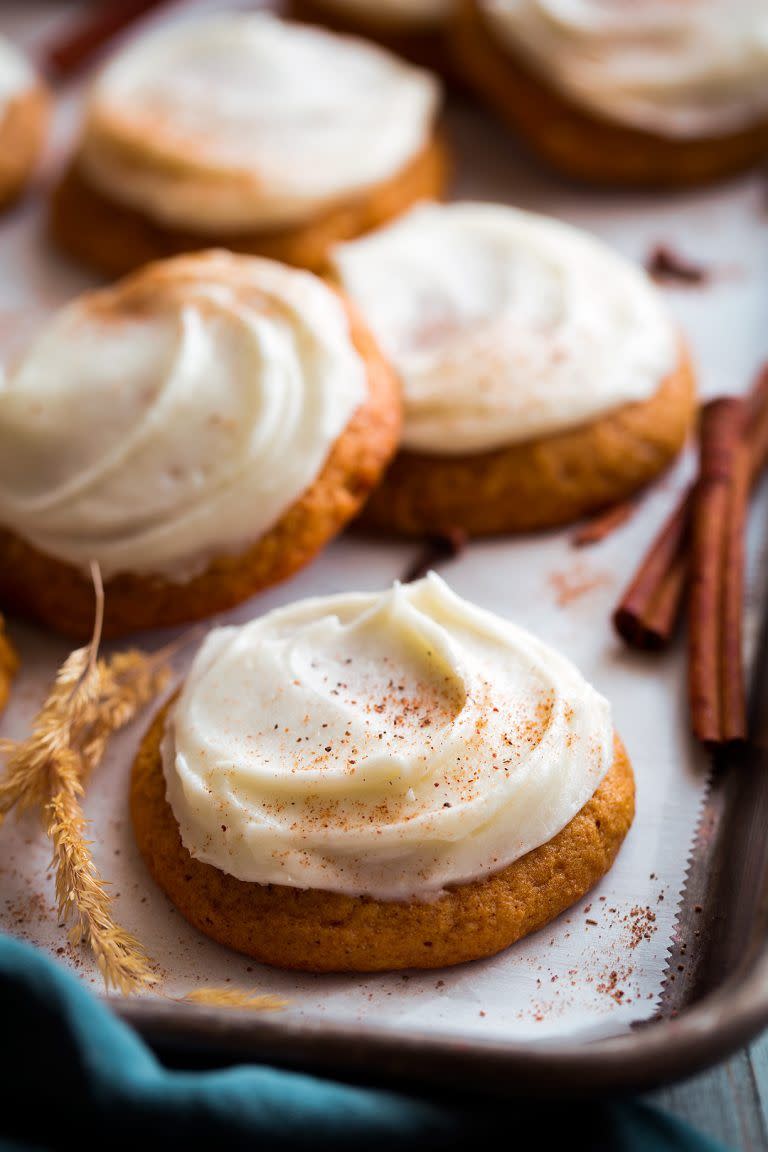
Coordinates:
[269,138]
[415,29]
[410,782]
[9,663]
[542,376]
[200,430]
[652,95]
[24,108]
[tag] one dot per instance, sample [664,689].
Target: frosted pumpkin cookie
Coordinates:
[9,663]
[23,121]
[413,28]
[200,430]
[368,782]
[542,376]
[653,93]
[243,131]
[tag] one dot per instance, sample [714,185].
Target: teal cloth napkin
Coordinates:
[72,1069]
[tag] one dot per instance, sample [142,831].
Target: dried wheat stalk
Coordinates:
[90,700]
[233,998]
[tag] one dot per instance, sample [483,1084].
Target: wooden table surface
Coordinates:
[729,1103]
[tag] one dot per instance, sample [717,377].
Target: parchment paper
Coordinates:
[599,967]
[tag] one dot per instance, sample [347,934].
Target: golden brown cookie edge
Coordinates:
[581,144]
[319,931]
[59,595]
[424,47]
[9,664]
[22,135]
[114,239]
[541,483]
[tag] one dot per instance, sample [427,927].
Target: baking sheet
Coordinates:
[599,968]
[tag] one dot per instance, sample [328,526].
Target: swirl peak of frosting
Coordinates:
[175,416]
[241,121]
[504,325]
[385,744]
[690,69]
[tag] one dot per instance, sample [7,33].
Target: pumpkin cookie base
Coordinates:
[9,663]
[113,238]
[580,143]
[425,47]
[22,134]
[59,595]
[315,931]
[541,483]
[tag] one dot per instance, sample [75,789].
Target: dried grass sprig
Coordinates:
[233,998]
[81,894]
[90,700]
[35,764]
[126,684]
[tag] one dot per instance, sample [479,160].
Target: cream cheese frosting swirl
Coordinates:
[692,69]
[241,122]
[16,74]
[385,744]
[177,415]
[503,325]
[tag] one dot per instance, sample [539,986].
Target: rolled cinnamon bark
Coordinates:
[649,611]
[76,48]
[718,516]
[650,608]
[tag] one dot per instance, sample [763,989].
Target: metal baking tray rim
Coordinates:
[652,1054]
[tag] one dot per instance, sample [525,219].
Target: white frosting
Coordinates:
[683,69]
[503,325]
[16,74]
[387,744]
[399,14]
[175,416]
[241,121]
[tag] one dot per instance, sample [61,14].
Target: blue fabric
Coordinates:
[68,1062]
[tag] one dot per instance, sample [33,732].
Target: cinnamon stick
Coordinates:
[718,514]
[597,529]
[437,550]
[650,608]
[667,267]
[649,611]
[733,689]
[757,424]
[75,49]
